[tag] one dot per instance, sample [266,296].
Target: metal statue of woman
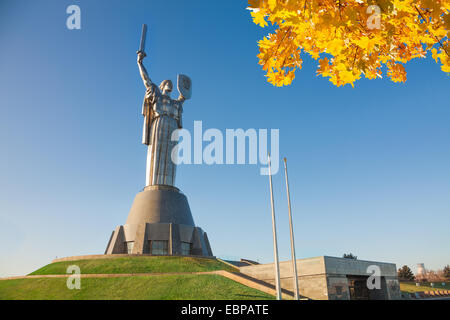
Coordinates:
[162,115]
[160,221]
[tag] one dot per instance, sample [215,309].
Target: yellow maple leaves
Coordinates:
[351,38]
[443,57]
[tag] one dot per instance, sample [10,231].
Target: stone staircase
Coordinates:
[255,283]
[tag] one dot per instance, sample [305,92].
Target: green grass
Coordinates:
[171,287]
[411,287]
[143,264]
[158,287]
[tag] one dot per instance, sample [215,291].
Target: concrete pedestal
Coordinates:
[159,214]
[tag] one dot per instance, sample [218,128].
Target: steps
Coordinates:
[255,283]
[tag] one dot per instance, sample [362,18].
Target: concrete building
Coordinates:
[421,271]
[331,278]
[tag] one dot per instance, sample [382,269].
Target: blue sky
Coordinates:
[369,167]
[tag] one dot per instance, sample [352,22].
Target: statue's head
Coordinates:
[166,86]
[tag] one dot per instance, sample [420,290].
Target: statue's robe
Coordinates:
[162,117]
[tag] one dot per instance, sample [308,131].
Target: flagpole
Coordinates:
[274,231]
[291,227]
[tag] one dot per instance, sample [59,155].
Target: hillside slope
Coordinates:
[143,264]
[170,287]
[107,282]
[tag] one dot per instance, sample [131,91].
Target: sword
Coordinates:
[143,36]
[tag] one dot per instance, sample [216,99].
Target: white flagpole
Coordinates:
[275,245]
[291,227]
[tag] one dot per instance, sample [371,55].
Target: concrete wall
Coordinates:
[337,287]
[393,288]
[311,276]
[335,265]
[305,267]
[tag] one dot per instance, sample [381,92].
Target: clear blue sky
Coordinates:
[369,166]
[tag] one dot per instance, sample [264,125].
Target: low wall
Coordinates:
[109,256]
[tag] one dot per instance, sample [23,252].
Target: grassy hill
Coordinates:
[144,264]
[170,287]
[153,287]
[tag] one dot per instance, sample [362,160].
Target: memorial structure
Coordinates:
[160,220]
[332,278]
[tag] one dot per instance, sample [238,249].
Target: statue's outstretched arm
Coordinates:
[143,71]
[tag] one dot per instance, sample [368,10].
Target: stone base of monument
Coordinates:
[159,223]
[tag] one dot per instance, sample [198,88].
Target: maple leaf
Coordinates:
[324,67]
[259,18]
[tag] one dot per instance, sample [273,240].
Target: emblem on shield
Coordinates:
[184,85]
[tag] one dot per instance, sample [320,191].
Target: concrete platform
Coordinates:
[159,223]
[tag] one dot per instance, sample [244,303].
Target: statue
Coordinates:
[160,221]
[162,116]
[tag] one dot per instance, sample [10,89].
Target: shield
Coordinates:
[184,85]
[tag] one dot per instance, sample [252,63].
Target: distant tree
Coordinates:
[349,256]
[405,273]
[447,272]
[433,276]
